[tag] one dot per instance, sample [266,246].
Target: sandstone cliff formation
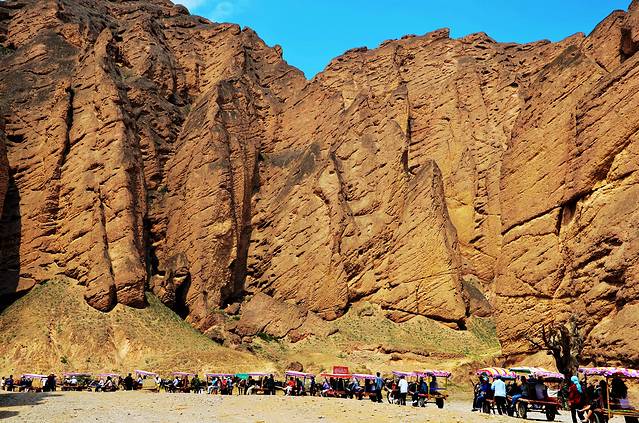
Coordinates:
[153,150]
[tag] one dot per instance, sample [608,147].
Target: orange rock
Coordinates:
[151,149]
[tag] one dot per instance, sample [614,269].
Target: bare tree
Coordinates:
[564,342]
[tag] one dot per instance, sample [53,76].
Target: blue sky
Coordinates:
[312,32]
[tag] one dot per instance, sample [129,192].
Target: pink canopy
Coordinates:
[108,374]
[434,372]
[183,374]
[363,376]
[405,374]
[298,374]
[34,376]
[145,373]
[75,374]
[538,372]
[257,374]
[219,374]
[610,371]
[497,371]
[544,374]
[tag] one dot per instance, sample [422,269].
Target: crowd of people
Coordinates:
[582,401]
[370,386]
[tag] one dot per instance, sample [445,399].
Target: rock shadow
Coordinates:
[10,238]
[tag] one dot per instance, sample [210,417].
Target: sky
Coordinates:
[312,32]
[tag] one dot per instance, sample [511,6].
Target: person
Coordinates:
[9,383]
[312,387]
[618,389]
[140,382]
[575,399]
[326,388]
[599,402]
[73,381]
[176,383]
[108,385]
[499,394]
[49,385]
[541,390]
[128,382]
[250,385]
[522,392]
[269,384]
[414,391]
[299,387]
[356,390]
[195,385]
[290,385]
[484,392]
[403,390]
[100,386]
[379,384]
[434,387]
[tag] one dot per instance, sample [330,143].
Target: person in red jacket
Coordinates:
[575,399]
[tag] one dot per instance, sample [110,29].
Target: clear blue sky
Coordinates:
[312,32]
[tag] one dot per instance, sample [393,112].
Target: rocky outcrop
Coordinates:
[264,315]
[4,170]
[154,150]
[569,180]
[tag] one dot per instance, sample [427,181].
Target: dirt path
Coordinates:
[141,407]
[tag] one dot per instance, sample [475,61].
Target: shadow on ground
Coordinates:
[20,399]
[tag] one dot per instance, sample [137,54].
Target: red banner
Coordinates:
[340,370]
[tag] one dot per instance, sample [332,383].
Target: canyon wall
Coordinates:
[152,150]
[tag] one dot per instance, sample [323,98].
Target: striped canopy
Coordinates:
[527,370]
[298,374]
[610,371]
[434,372]
[497,371]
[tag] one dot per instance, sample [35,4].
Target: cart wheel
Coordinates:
[551,412]
[422,402]
[522,409]
[439,402]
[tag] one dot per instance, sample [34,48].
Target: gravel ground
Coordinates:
[147,407]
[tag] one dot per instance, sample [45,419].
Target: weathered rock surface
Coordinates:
[265,315]
[153,150]
[4,169]
[570,196]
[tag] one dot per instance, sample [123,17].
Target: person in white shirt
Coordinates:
[403,390]
[499,393]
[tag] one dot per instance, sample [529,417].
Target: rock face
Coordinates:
[570,195]
[4,170]
[154,150]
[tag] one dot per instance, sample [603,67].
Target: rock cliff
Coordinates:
[149,149]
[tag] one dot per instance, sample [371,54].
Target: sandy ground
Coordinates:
[147,407]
